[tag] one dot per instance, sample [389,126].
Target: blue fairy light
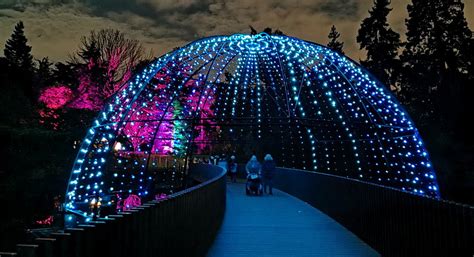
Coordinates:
[316,109]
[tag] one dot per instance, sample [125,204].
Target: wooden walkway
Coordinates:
[281,225]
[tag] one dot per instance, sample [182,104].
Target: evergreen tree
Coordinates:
[65,73]
[44,74]
[470,58]
[14,104]
[268,30]
[334,42]
[437,58]
[20,69]
[17,52]
[278,32]
[253,31]
[381,43]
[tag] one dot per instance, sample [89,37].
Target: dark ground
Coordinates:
[35,169]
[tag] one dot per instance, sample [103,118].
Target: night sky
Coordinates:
[54,27]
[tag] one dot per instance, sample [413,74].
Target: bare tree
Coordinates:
[110,58]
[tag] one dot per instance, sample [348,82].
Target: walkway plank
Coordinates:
[281,225]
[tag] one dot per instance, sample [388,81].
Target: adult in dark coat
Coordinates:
[232,168]
[268,172]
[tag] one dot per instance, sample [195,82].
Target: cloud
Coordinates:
[54,27]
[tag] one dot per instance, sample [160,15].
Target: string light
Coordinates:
[313,108]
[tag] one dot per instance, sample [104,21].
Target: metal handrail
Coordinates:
[392,221]
[183,224]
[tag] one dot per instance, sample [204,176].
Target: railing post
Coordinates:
[106,229]
[27,250]
[126,234]
[46,247]
[114,225]
[8,254]
[63,241]
[77,241]
[140,225]
[89,242]
[133,243]
[148,230]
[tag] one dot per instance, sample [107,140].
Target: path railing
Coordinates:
[393,222]
[184,224]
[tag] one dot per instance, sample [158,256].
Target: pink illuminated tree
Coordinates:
[110,59]
[56,97]
[160,119]
[103,64]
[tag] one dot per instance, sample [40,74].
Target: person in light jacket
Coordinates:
[253,166]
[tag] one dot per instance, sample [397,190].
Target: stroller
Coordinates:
[254,184]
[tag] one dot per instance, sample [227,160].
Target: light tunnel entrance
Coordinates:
[308,106]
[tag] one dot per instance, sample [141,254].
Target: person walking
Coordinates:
[232,169]
[268,171]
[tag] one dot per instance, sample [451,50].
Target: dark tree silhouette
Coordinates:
[381,43]
[253,31]
[20,62]
[65,74]
[267,30]
[44,74]
[17,52]
[334,42]
[436,58]
[278,32]
[437,88]
[142,64]
[15,107]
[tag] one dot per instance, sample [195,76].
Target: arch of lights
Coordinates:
[308,106]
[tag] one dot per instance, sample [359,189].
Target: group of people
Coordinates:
[266,170]
[212,159]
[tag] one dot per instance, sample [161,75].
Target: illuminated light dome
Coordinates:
[308,106]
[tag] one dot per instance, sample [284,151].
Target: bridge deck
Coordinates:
[281,225]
